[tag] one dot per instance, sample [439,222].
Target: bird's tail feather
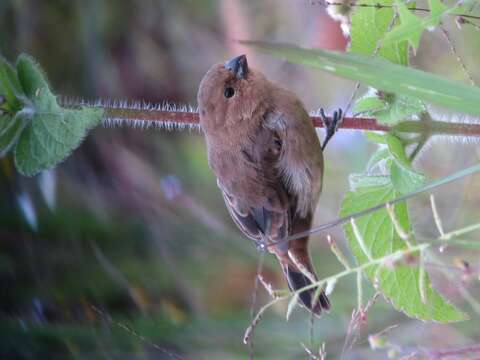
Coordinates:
[297,280]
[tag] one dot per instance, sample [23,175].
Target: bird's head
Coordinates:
[232,95]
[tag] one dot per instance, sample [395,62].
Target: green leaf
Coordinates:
[51,137]
[369,26]
[412,27]
[52,132]
[397,150]
[399,283]
[399,108]
[357,181]
[405,179]
[34,84]
[381,154]
[391,109]
[369,105]
[9,85]
[381,75]
[375,137]
[10,130]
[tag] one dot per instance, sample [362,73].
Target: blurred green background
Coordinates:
[131,230]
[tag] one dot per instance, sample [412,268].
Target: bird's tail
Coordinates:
[297,280]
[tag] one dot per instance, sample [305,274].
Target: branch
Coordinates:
[170,116]
[189,118]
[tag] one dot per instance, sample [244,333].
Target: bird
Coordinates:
[268,161]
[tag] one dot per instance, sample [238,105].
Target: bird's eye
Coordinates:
[229,92]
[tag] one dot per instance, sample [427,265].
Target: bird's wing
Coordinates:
[266,216]
[301,160]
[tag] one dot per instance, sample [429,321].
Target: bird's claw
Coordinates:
[331,127]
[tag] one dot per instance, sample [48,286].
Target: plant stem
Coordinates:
[435,127]
[192,118]
[180,118]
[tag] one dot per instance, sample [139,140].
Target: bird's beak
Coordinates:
[238,66]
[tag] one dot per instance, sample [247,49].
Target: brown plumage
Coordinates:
[265,153]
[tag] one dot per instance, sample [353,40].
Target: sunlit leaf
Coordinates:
[404,178]
[412,27]
[369,26]
[380,155]
[357,181]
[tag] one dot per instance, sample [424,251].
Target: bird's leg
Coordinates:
[331,127]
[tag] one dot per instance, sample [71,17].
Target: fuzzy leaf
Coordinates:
[357,181]
[390,110]
[399,283]
[404,178]
[381,154]
[52,132]
[51,137]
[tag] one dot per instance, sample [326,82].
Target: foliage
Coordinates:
[136,276]
[42,132]
[400,95]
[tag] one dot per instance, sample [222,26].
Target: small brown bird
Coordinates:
[265,153]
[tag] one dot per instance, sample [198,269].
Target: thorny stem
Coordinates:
[156,115]
[382,6]
[435,127]
[192,118]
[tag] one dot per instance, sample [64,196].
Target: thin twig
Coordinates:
[143,339]
[436,215]
[398,227]
[359,237]
[254,303]
[354,326]
[460,232]
[382,6]
[454,52]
